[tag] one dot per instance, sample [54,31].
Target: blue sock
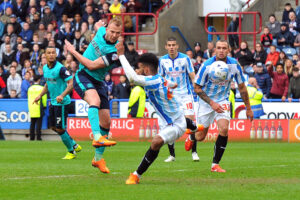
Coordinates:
[93,115]
[67,141]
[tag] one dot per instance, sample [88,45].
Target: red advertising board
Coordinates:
[132,129]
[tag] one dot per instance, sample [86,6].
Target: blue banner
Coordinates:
[14,114]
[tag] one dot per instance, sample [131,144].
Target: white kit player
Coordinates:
[212,85]
[178,68]
[172,122]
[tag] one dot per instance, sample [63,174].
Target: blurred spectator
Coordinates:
[131,54]
[25,85]
[280,84]
[73,67]
[13,21]
[190,54]
[198,63]
[8,56]
[51,30]
[115,7]
[104,11]
[41,73]
[41,32]
[32,12]
[85,32]
[35,40]
[245,58]
[79,42]
[5,4]
[294,86]
[2,88]
[48,16]
[91,22]
[6,17]
[260,55]
[1,28]
[208,53]
[13,94]
[284,38]
[10,32]
[127,23]
[26,33]
[285,15]
[89,11]
[34,56]
[76,24]
[282,57]
[255,97]
[294,24]
[67,62]
[3,74]
[42,7]
[26,68]
[288,66]
[59,7]
[61,22]
[297,43]
[101,3]
[133,6]
[17,66]
[273,25]
[71,8]
[263,79]
[197,50]
[266,39]
[14,82]
[273,56]
[233,38]
[2,47]
[19,8]
[35,22]
[295,59]
[109,84]
[66,33]
[122,90]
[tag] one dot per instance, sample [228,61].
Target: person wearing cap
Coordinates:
[48,16]
[255,97]
[263,79]
[273,56]
[197,50]
[16,25]
[284,38]
[294,86]
[131,54]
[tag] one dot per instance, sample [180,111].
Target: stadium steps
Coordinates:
[23,134]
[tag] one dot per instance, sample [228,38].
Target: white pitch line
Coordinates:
[41,177]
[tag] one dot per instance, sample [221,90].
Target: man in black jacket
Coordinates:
[131,54]
[122,90]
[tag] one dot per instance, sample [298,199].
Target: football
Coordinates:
[219,71]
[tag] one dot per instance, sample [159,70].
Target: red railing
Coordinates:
[240,33]
[163,6]
[297,2]
[136,33]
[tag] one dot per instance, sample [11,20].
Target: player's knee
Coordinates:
[157,143]
[223,130]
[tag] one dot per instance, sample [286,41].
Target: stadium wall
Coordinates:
[183,14]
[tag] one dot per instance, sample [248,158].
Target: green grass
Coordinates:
[34,170]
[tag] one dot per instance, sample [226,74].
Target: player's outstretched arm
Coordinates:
[245,97]
[68,89]
[215,106]
[99,24]
[91,65]
[44,91]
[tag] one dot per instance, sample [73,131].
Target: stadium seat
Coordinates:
[289,52]
[268,50]
[116,73]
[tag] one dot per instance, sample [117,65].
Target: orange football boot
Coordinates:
[132,179]
[217,168]
[188,144]
[103,142]
[101,165]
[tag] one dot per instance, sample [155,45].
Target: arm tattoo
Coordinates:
[204,96]
[245,97]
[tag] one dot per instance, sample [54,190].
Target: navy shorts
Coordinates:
[83,82]
[58,116]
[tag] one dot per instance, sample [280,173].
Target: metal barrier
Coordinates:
[240,33]
[163,6]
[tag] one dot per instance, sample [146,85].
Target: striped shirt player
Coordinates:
[218,91]
[177,70]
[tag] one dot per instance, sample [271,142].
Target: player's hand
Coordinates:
[69,46]
[36,100]
[249,114]
[121,39]
[120,48]
[99,24]
[59,98]
[283,98]
[216,107]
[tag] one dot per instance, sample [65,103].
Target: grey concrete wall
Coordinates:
[183,14]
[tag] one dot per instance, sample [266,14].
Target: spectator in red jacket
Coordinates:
[267,38]
[273,56]
[280,83]
[2,88]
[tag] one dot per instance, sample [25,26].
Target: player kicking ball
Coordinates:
[171,118]
[212,85]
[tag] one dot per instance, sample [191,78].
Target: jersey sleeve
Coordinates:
[202,75]
[189,67]
[238,76]
[161,69]
[65,74]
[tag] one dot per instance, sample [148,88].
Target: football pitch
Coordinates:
[35,170]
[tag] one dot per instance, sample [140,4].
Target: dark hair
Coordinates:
[36,78]
[287,4]
[223,41]
[272,15]
[295,69]
[150,60]
[49,47]
[171,39]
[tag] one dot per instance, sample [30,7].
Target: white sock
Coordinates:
[135,173]
[213,164]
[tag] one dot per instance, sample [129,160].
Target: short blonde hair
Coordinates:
[117,21]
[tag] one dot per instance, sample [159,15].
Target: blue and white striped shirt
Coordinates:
[218,91]
[177,70]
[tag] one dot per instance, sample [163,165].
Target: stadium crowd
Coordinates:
[28,26]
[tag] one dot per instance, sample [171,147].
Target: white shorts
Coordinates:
[186,103]
[206,115]
[171,132]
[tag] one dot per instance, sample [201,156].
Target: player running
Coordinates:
[212,85]
[171,119]
[178,68]
[96,61]
[59,83]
